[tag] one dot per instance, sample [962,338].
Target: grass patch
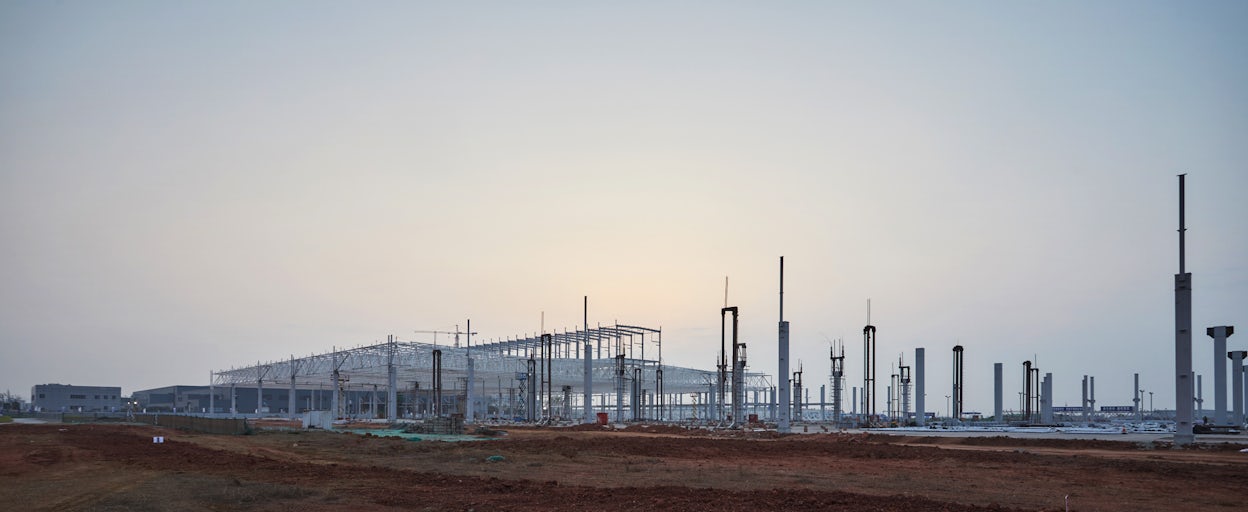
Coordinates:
[5,419]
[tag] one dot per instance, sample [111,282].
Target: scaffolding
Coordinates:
[502,373]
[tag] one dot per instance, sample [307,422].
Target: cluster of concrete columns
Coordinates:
[1223,415]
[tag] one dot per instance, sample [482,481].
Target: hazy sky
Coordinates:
[186,187]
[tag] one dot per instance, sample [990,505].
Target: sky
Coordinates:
[194,186]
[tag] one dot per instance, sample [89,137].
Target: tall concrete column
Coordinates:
[1244,375]
[888,395]
[998,391]
[392,384]
[1200,395]
[783,423]
[334,404]
[589,369]
[1046,400]
[1092,395]
[1237,372]
[920,400]
[469,407]
[712,404]
[1135,392]
[823,402]
[1219,335]
[957,384]
[783,411]
[468,398]
[1183,434]
[1083,405]
[212,395]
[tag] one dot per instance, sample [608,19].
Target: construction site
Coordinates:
[592,418]
[548,378]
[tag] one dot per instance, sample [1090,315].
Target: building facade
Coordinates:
[70,398]
[364,402]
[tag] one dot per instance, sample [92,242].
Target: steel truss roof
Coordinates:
[496,365]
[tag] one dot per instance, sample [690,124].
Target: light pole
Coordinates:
[1151,410]
[948,409]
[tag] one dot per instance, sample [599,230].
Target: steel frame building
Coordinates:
[534,378]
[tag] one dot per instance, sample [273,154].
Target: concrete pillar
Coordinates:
[212,395]
[469,408]
[1183,423]
[956,391]
[783,422]
[1183,434]
[823,410]
[392,385]
[920,396]
[589,367]
[771,403]
[1046,399]
[888,395]
[1083,404]
[233,400]
[1135,392]
[998,391]
[1200,395]
[1092,397]
[712,402]
[1244,376]
[1219,335]
[589,382]
[333,398]
[1237,389]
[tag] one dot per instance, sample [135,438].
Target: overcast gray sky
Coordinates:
[190,186]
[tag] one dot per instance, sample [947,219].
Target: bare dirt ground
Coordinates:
[96,467]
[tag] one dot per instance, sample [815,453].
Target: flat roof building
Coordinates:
[250,400]
[70,398]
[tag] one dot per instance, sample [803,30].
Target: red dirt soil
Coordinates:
[117,467]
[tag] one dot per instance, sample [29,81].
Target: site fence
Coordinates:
[197,423]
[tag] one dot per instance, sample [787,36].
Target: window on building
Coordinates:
[41,395]
[78,397]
